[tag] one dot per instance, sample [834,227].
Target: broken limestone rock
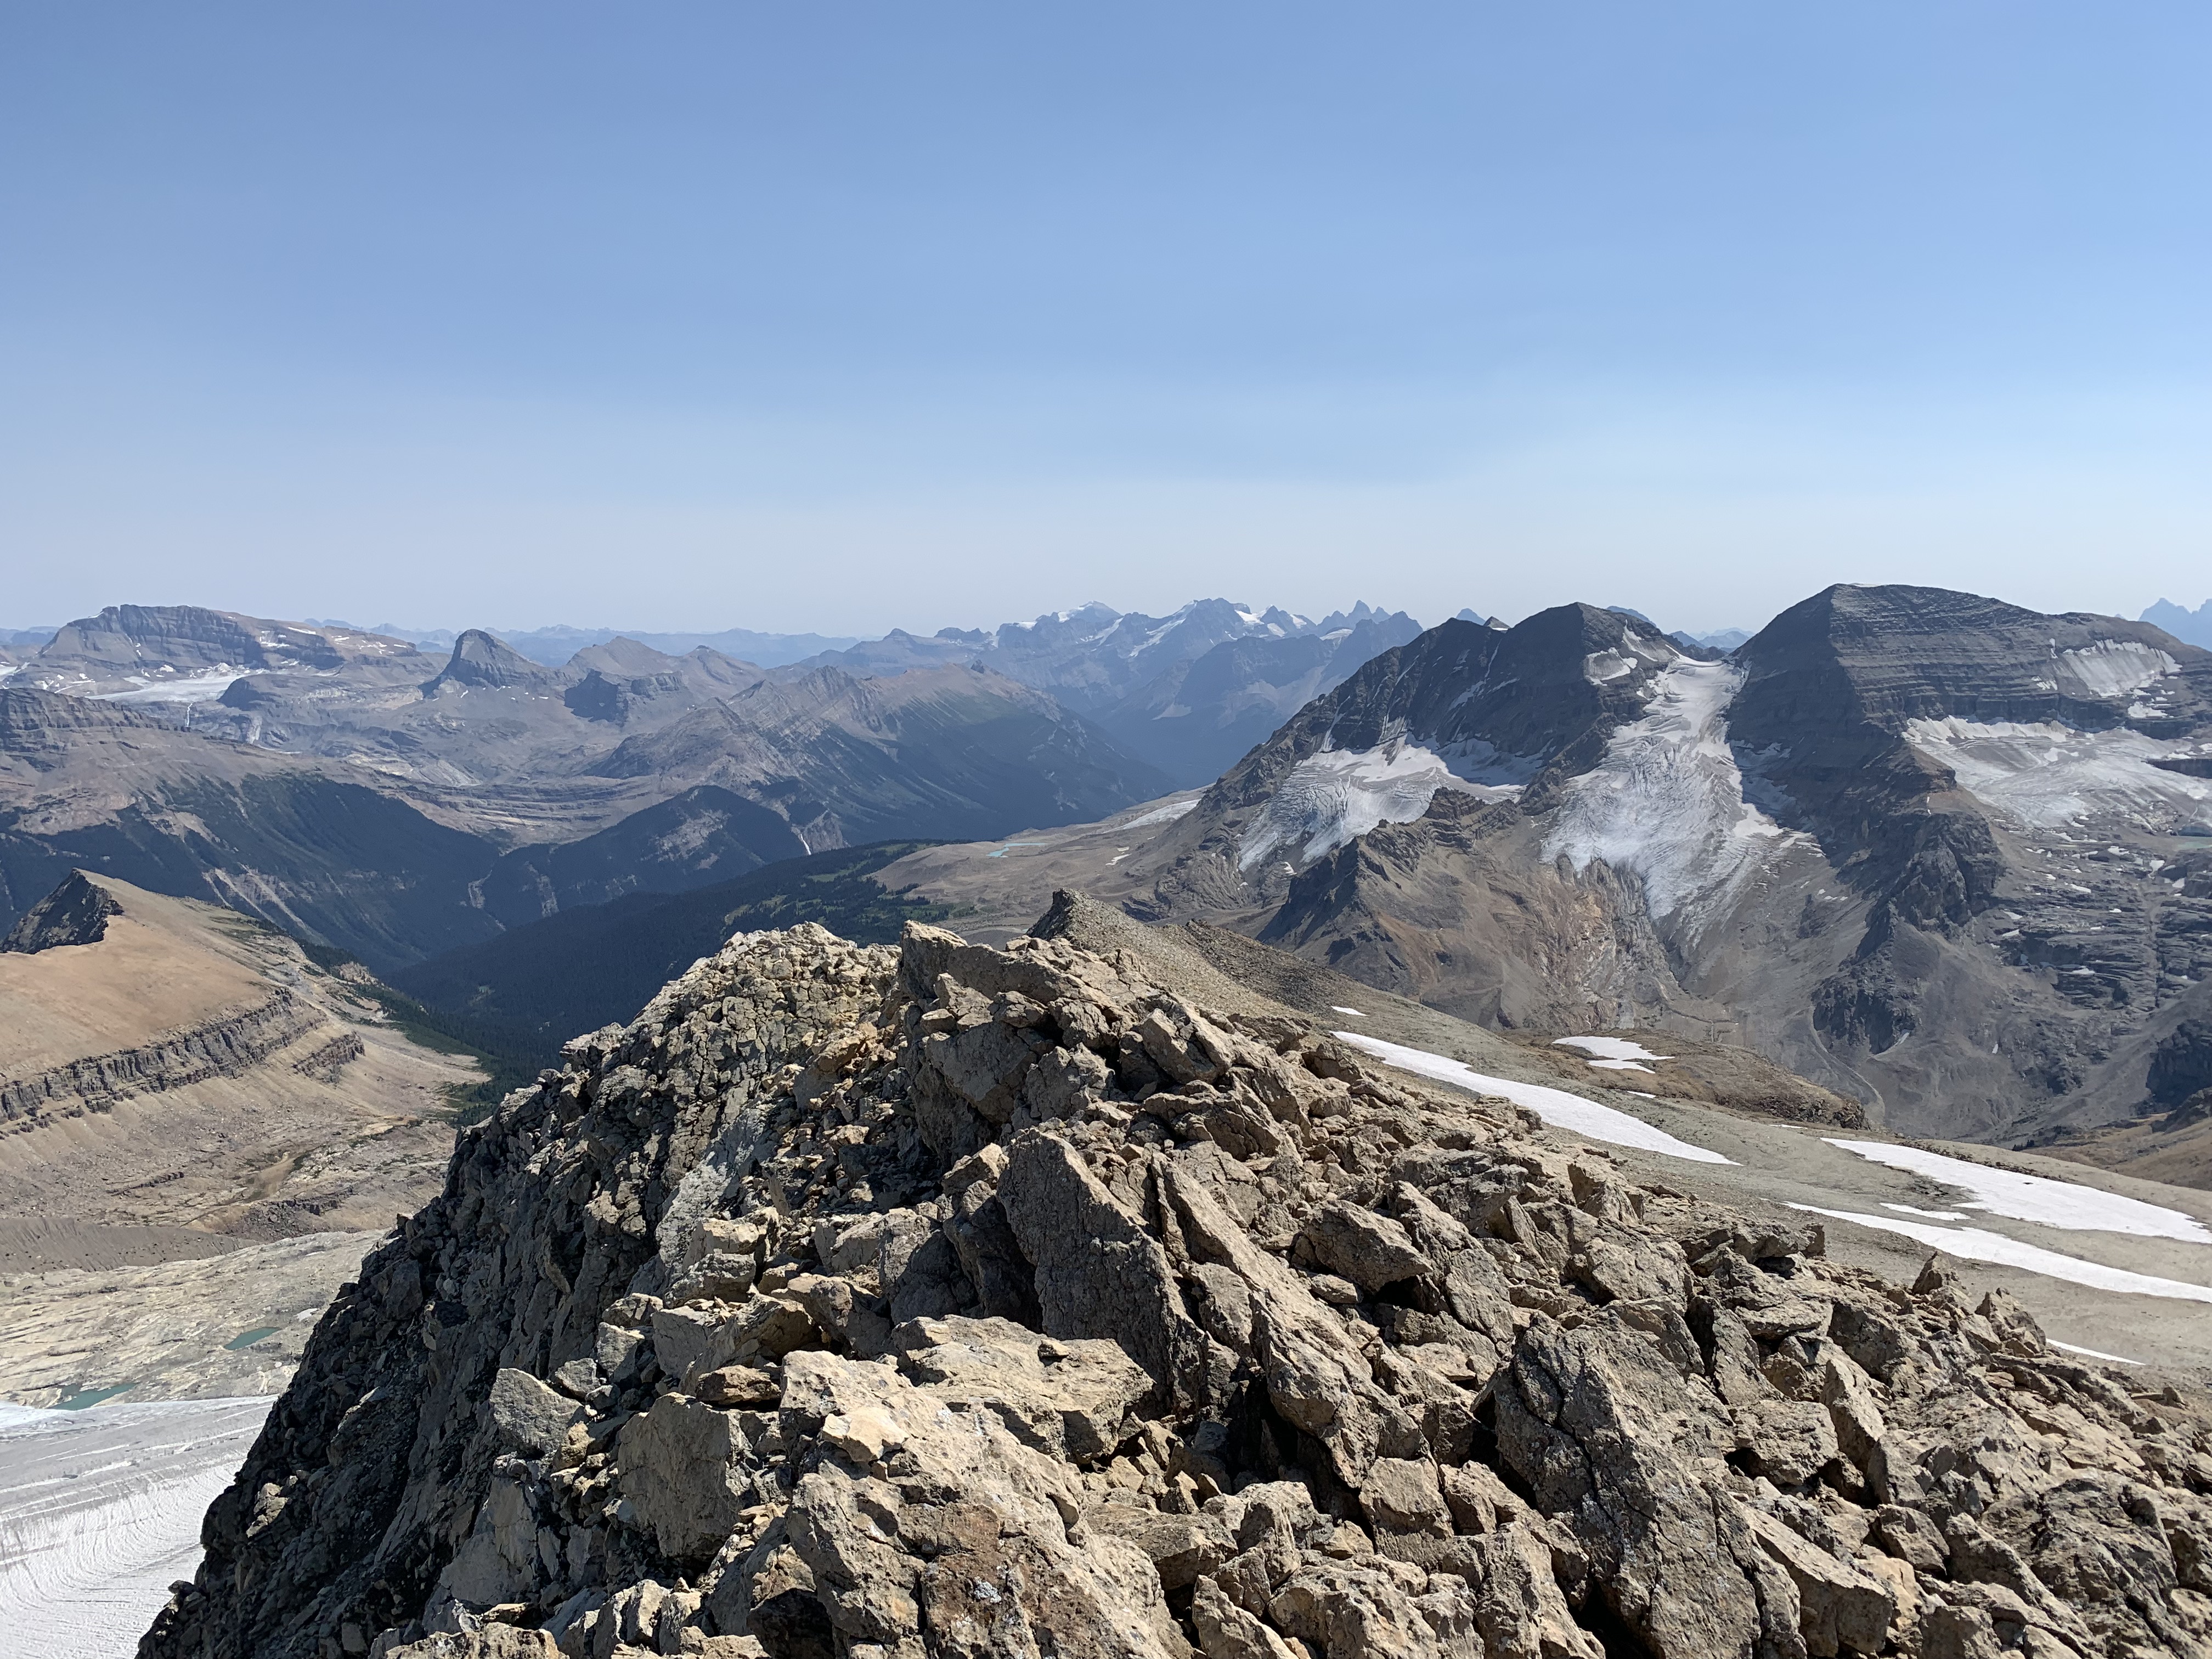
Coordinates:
[869,1304]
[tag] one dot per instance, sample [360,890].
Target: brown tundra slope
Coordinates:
[948,1300]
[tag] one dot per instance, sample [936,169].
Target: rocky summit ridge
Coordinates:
[881,1303]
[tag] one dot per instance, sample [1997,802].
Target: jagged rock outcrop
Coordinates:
[74,913]
[948,1300]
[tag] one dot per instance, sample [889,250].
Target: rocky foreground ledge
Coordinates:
[861,1304]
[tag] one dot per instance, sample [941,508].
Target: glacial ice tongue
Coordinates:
[1667,801]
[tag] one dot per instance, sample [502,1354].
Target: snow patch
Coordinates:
[2059,1204]
[1668,800]
[204,687]
[1607,1048]
[1338,1008]
[1168,814]
[2114,668]
[1555,1106]
[1603,667]
[1971,1244]
[1338,795]
[2051,775]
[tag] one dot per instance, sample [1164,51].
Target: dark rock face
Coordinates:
[74,913]
[307,852]
[956,1301]
[1546,693]
[2181,1065]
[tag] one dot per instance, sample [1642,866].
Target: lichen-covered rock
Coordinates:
[859,1303]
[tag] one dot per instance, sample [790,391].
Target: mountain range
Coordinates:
[355,789]
[1945,856]
[1473,1175]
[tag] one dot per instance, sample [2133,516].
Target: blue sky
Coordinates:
[852,315]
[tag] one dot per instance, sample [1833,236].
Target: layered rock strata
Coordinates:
[220,1048]
[955,1301]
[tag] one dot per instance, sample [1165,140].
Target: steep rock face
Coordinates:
[951,1300]
[482,660]
[1465,714]
[74,913]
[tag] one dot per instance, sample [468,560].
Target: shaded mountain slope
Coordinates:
[944,752]
[110,789]
[596,964]
[353,791]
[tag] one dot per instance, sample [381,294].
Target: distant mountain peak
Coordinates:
[484,660]
[2191,627]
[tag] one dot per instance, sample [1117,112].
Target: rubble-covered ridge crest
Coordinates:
[866,1303]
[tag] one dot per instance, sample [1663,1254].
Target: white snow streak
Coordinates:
[1555,1106]
[100,1512]
[1667,801]
[2091,1353]
[2059,1204]
[1972,1244]
[1338,1008]
[2051,775]
[1609,1047]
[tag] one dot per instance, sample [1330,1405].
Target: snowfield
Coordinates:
[99,1513]
[2050,776]
[1667,801]
[1607,1047]
[1339,795]
[1972,1244]
[2050,1203]
[186,688]
[1555,1106]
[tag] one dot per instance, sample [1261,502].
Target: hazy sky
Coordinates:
[847,315]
